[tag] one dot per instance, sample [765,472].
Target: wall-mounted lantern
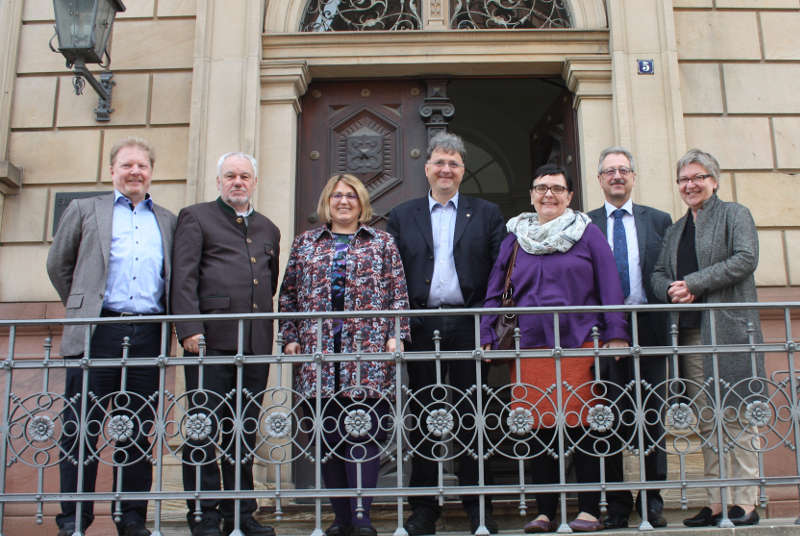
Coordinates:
[83,28]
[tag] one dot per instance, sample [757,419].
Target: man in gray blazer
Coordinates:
[634,233]
[111,257]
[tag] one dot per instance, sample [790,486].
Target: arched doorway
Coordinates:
[360,94]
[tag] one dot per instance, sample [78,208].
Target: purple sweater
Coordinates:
[584,275]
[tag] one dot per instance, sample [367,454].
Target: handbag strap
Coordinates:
[508,291]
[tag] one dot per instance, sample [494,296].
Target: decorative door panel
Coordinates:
[370,129]
[555,141]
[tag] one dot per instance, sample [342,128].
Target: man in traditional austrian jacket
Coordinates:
[227,262]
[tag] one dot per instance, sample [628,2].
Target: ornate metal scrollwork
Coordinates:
[361,15]
[509,14]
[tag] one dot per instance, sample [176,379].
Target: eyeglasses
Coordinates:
[442,163]
[695,179]
[541,189]
[611,172]
[337,196]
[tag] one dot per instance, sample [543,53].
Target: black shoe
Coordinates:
[615,521]
[704,518]
[475,521]
[338,529]
[421,521]
[132,528]
[363,530]
[249,527]
[738,517]
[656,518]
[67,529]
[207,526]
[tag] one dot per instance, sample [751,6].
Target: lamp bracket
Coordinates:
[103,87]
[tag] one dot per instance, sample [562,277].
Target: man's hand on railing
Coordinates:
[392,346]
[678,292]
[192,343]
[291,348]
[616,343]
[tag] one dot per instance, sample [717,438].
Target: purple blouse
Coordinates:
[584,275]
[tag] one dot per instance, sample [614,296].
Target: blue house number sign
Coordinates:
[645,66]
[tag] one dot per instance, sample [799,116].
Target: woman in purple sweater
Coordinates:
[563,259]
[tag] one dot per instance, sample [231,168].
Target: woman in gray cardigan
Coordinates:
[709,256]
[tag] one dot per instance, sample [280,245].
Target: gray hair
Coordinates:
[250,158]
[696,156]
[447,142]
[615,149]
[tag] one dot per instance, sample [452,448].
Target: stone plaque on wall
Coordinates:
[64,198]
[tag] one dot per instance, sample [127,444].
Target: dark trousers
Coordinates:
[129,453]
[217,400]
[653,371]
[347,452]
[457,333]
[544,470]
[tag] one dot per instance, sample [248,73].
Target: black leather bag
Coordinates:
[505,324]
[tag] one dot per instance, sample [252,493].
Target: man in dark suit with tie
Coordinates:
[111,257]
[634,233]
[448,243]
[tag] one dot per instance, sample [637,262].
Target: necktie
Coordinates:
[621,251]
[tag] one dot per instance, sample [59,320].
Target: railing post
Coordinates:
[8,366]
[81,424]
[560,423]
[238,430]
[159,424]
[399,422]
[640,417]
[791,346]
[477,355]
[318,428]
[719,419]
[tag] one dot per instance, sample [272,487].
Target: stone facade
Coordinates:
[738,72]
[51,134]
[196,90]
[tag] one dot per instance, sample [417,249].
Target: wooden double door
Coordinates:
[378,131]
[370,129]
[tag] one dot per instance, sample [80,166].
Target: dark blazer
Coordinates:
[223,266]
[651,224]
[479,230]
[77,262]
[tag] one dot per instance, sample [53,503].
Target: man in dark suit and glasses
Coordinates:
[111,257]
[634,233]
[448,243]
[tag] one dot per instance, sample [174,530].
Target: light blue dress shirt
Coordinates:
[445,289]
[135,281]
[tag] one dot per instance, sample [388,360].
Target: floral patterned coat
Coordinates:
[375,281]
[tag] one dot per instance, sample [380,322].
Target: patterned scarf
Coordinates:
[559,234]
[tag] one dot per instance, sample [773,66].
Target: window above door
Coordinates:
[393,15]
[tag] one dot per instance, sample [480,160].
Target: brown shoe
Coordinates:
[540,525]
[585,525]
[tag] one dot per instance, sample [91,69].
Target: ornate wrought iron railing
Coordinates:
[35,435]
